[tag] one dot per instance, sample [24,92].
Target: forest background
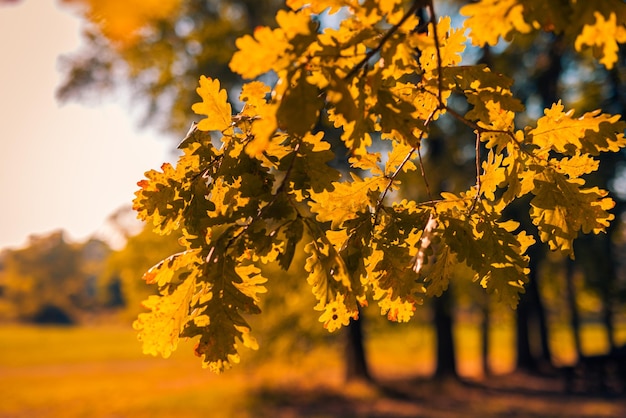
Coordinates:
[572,310]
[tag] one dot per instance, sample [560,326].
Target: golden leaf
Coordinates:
[605,35]
[214,105]
[258,54]
[491,19]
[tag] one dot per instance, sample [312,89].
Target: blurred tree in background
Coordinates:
[51,280]
[158,50]
[120,279]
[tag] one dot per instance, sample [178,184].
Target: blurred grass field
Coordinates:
[101,372]
[98,372]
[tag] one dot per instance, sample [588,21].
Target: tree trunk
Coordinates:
[570,270]
[531,318]
[608,285]
[545,354]
[485,325]
[532,327]
[446,359]
[525,359]
[356,360]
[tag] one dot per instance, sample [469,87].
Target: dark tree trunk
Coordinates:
[545,354]
[618,99]
[532,326]
[485,325]
[525,358]
[570,270]
[532,329]
[608,285]
[356,360]
[446,359]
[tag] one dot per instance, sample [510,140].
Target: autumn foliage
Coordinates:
[252,185]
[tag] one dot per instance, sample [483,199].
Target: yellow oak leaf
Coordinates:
[254,95]
[451,45]
[346,200]
[251,281]
[336,314]
[160,329]
[262,131]
[494,175]
[561,208]
[214,105]
[293,23]
[576,166]
[592,132]
[392,11]
[366,161]
[163,272]
[491,19]
[400,157]
[398,309]
[319,6]
[605,35]
[266,50]
[262,116]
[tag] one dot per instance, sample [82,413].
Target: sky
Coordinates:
[62,166]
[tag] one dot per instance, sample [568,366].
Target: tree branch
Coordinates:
[417,4]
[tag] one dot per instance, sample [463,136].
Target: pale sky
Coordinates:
[61,166]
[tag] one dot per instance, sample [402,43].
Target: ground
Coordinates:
[100,372]
[511,395]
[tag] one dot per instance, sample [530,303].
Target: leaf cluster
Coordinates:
[253,185]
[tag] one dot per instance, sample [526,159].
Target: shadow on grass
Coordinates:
[514,395]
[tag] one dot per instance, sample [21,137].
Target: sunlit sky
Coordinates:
[61,166]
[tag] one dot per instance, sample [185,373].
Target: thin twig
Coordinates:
[433,20]
[392,178]
[477,162]
[406,159]
[412,10]
[482,130]
[478,185]
[262,209]
[289,169]
[423,171]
